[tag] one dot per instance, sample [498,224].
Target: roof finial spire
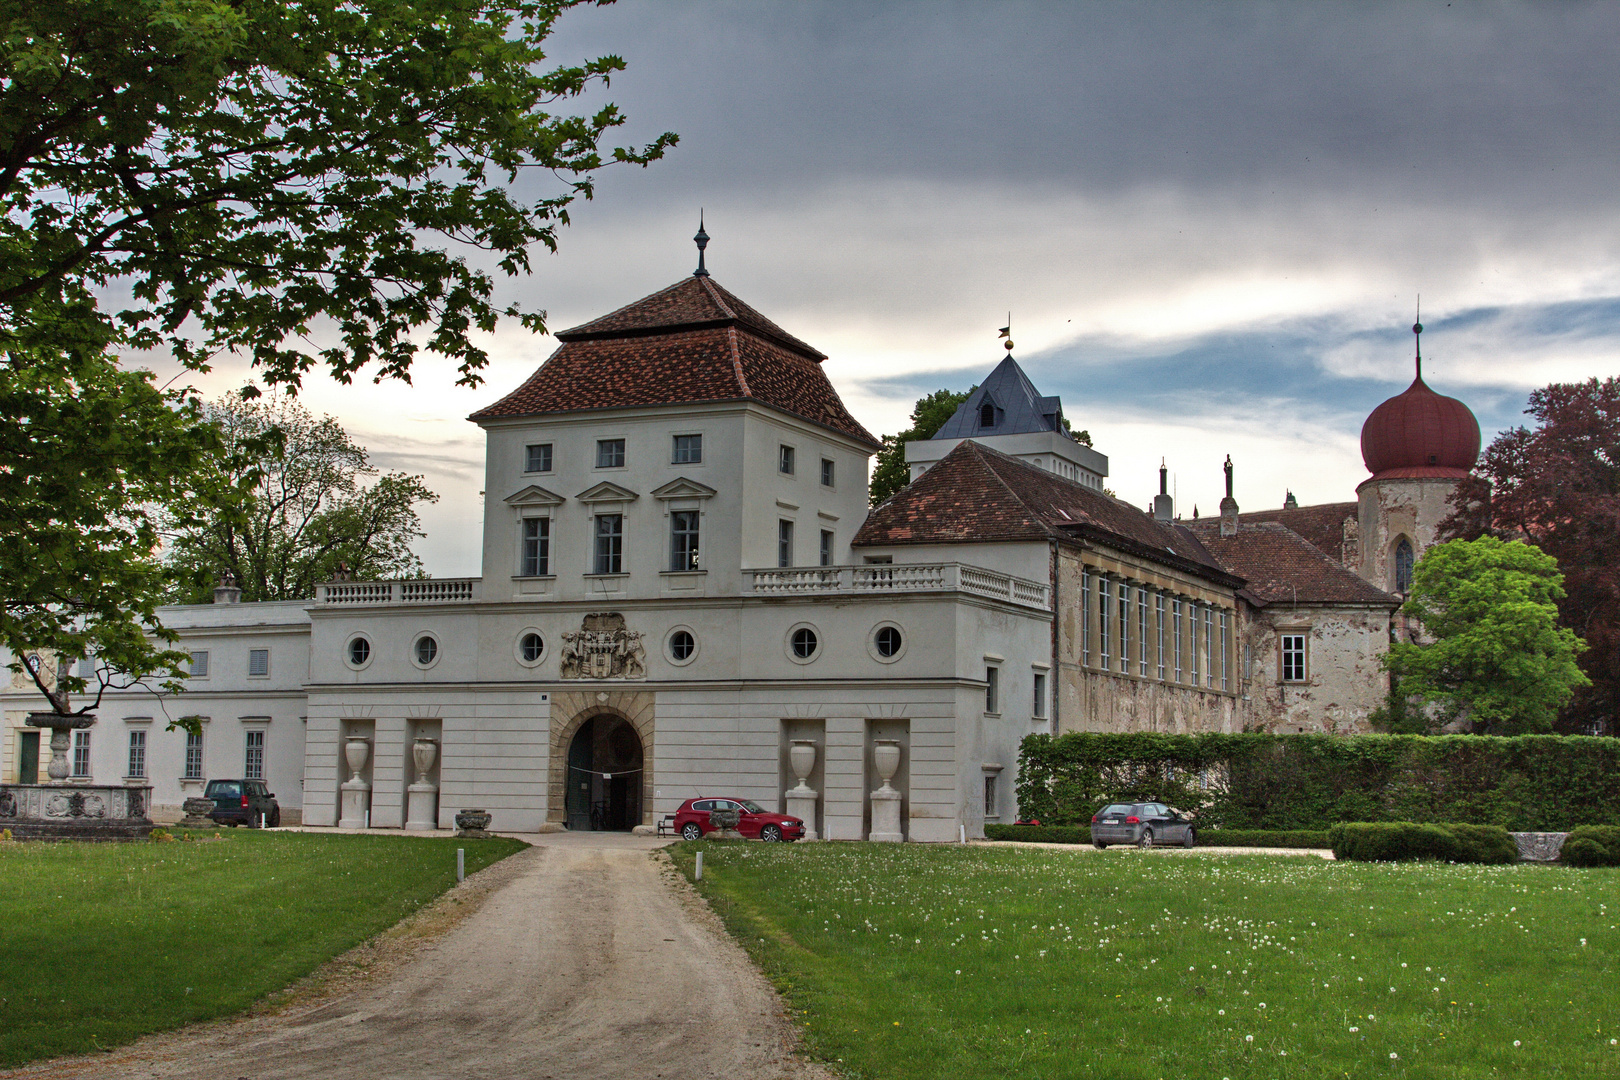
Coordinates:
[702,239]
[1417,330]
[1006,332]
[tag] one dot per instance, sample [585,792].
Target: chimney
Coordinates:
[1229,506]
[1289,502]
[227,592]
[1164,507]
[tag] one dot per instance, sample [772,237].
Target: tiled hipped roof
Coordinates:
[978,495]
[1322,525]
[1283,567]
[690,343]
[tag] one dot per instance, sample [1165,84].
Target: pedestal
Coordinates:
[356,802]
[886,815]
[801,803]
[422,807]
[197,810]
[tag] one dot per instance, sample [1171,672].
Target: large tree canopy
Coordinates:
[255,172]
[889,472]
[1497,658]
[307,510]
[1557,485]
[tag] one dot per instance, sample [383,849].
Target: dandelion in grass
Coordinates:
[1393,1055]
[1515,1042]
[1248,1038]
[1354,1030]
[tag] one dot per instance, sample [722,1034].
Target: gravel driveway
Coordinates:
[589,957]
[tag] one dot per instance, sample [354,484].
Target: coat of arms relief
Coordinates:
[603,648]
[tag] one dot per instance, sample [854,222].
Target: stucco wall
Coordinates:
[1344,683]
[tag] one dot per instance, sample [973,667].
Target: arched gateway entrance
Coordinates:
[603,788]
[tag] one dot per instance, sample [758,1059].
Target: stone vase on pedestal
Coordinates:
[422,797]
[356,789]
[801,800]
[886,800]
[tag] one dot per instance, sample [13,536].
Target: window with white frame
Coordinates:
[81,754]
[1085,617]
[1037,707]
[537,457]
[609,544]
[253,761]
[535,560]
[1293,657]
[1192,642]
[194,755]
[990,796]
[1141,633]
[610,453]
[683,540]
[992,689]
[137,753]
[784,543]
[784,459]
[688,450]
[1209,646]
[258,662]
[1175,607]
[826,547]
[1158,623]
[1102,622]
[1124,628]
[1226,683]
[198,669]
[827,472]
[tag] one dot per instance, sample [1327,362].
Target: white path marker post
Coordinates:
[699,875]
[461,864]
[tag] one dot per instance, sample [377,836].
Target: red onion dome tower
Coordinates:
[1420,434]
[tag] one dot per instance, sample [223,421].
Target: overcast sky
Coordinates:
[1210,222]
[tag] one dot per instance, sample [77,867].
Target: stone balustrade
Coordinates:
[900,578]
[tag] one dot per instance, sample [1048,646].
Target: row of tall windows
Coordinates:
[607,555]
[1153,634]
[135,762]
[684,450]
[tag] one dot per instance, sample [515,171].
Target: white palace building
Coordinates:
[682,578]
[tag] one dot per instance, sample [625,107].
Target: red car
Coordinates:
[756,822]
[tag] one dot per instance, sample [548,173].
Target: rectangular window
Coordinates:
[194,757]
[1102,622]
[1225,651]
[253,763]
[1209,646]
[258,662]
[610,453]
[537,457]
[199,664]
[81,754]
[826,547]
[536,547]
[1192,643]
[683,540]
[609,544]
[990,796]
[1085,617]
[784,543]
[992,689]
[1124,628]
[1293,658]
[1158,622]
[784,460]
[688,450]
[1175,606]
[1141,633]
[86,667]
[1038,705]
[827,472]
[137,754]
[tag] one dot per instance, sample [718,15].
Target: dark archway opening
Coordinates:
[604,775]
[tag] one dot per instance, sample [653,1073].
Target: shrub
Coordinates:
[1274,782]
[1040,834]
[1268,838]
[1605,837]
[1401,841]
[1585,852]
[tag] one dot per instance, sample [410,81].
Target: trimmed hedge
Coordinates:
[1399,841]
[1540,783]
[1081,834]
[1592,845]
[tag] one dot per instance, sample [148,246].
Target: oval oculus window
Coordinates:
[531,647]
[682,645]
[804,643]
[427,650]
[888,640]
[359,651]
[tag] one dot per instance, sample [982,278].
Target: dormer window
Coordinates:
[987,413]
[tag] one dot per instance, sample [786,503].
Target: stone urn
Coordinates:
[724,823]
[197,810]
[356,789]
[801,800]
[356,748]
[473,823]
[886,800]
[422,797]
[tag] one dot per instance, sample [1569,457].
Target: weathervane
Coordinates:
[1006,332]
[702,239]
[1417,331]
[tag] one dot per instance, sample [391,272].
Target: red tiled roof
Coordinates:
[1281,566]
[978,495]
[680,346]
[1322,525]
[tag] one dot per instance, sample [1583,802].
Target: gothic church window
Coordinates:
[1403,566]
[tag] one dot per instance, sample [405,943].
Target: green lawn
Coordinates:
[102,943]
[940,961]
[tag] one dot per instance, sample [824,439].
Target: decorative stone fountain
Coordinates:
[801,800]
[356,789]
[422,797]
[60,810]
[886,800]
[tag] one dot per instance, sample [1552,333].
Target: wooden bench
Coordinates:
[666,825]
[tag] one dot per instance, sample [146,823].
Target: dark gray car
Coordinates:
[1143,824]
